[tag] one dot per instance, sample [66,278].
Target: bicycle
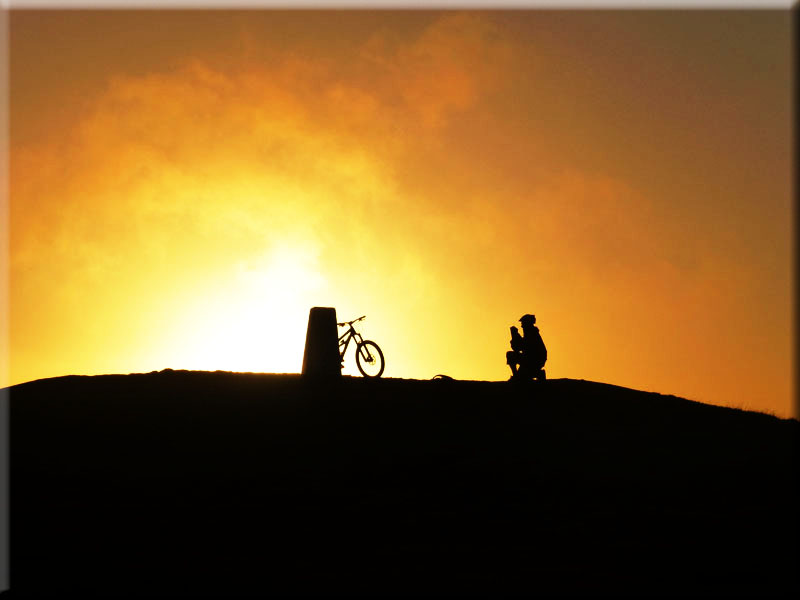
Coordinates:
[369,358]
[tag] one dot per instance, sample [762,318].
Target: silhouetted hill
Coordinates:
[221,483]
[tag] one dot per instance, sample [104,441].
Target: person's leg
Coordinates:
[539,371]
[511,361]
[526,370]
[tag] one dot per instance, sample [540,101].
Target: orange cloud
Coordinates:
[174,178]
[157,228]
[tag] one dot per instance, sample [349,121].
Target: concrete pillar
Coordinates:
[321,356]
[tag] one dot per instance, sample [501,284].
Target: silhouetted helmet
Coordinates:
[527,320]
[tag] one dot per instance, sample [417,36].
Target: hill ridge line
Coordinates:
[351,379]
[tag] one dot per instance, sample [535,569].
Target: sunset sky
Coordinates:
[185,185]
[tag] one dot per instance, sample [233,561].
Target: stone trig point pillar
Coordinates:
[321,357]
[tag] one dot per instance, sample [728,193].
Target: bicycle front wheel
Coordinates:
[369,359]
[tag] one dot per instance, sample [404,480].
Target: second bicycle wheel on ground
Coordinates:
[369,359]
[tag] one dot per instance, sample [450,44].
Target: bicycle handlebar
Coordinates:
[351,322]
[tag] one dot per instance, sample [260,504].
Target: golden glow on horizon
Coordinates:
[254,321]
[443,173]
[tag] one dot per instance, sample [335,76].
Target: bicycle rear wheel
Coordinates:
[369,359]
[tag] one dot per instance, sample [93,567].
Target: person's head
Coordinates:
[527,320]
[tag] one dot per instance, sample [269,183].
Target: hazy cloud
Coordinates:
[438,175]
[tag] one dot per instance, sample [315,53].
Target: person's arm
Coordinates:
[516,340]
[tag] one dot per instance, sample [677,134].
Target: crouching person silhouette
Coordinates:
[528,353]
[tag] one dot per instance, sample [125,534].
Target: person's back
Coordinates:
[534,345]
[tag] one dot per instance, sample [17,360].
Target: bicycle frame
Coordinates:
[344,340]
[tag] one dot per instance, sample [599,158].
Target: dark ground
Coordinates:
[194,482]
